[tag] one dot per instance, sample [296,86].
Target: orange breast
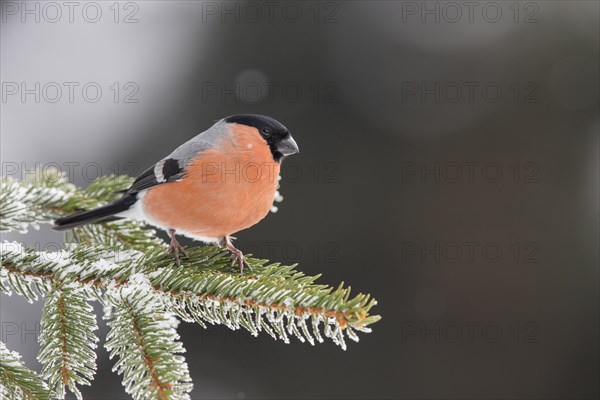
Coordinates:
[225,190]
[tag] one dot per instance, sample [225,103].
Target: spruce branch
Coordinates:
[67,340]
[18,382]
[144,338]
[124,265]
[34,201]
[47,195]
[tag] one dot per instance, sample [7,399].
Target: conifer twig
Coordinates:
[17,381]
[124,265]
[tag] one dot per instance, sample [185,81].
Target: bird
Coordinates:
[220,182]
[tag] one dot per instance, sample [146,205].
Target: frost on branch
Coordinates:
[29,203]
[67,340]
[277,299]
[16,380]
[124,265]
[141,329]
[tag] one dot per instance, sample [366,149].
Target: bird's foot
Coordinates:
[176,248]
[239,259]
[236,255]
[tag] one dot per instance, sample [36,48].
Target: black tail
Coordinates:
[99,214]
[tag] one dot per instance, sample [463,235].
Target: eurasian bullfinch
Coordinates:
[220,182]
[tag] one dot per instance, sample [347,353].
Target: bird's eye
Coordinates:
[266,132]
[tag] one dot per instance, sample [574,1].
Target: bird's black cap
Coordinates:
[257,121]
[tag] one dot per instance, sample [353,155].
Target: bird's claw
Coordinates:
[238,258]
[176,248]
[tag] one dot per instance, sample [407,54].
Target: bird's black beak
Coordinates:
[287,146]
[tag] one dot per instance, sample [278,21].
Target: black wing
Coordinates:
[168,171]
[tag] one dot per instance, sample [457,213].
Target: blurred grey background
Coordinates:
[449,166]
